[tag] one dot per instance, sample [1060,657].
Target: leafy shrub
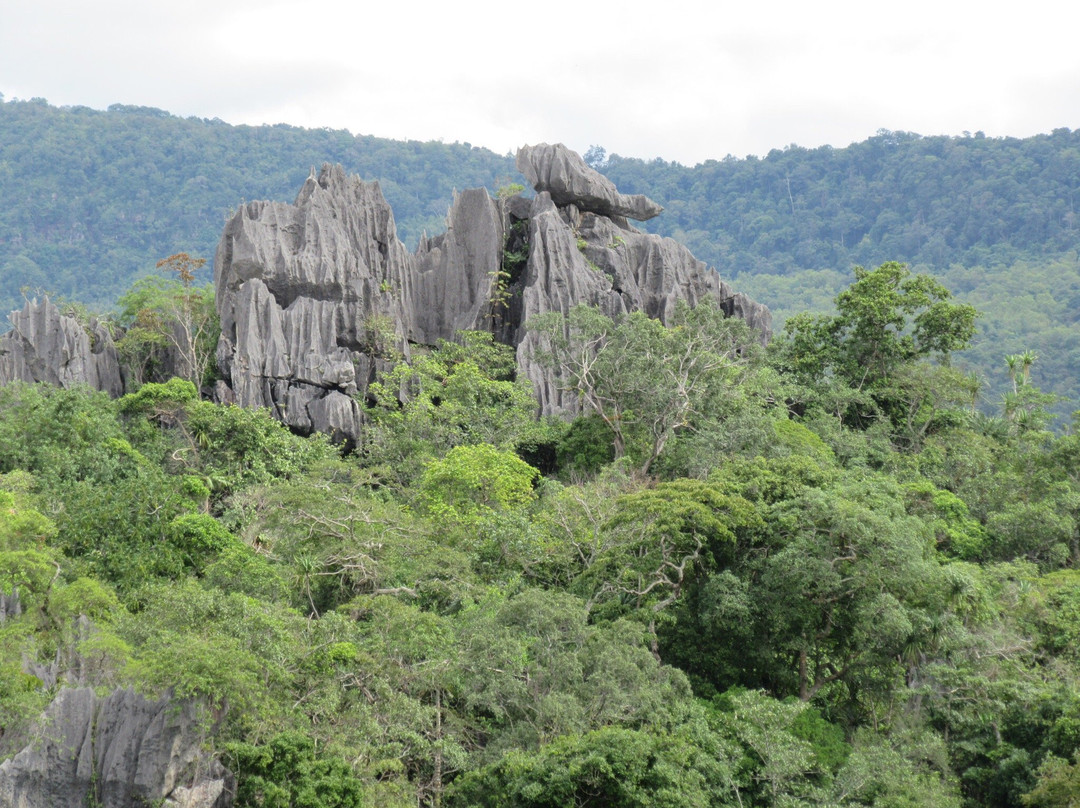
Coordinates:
[288,772]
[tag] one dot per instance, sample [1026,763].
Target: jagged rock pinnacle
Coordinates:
[563,174]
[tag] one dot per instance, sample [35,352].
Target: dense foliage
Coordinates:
[812,576]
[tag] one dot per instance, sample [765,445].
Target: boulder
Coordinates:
[562,173]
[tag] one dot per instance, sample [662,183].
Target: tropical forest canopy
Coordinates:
[812,575]
[93,199]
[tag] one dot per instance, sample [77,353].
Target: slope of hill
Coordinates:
[996,219]
[824,581]
[926,200]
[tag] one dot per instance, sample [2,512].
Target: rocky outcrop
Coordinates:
[47,346]
[562,173]
[9,604]
[580,257]
[315,297]
[115,752]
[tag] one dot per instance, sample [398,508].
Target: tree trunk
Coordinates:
[804,690]
[436,783]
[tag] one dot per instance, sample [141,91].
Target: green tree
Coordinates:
[474,480]
[886,319]
[645,381]
[171,325]
[532,668]
[870,360]
[461,393]
[658,541]
[1058,785]
[611,766]
[288,772]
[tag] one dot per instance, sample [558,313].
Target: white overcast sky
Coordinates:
[678,80]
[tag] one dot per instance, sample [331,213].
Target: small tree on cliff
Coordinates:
[171,323]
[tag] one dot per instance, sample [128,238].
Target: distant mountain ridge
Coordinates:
[895,196]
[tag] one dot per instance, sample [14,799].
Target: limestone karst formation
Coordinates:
[314,298]
[46,345]
[307,292]
[113,751]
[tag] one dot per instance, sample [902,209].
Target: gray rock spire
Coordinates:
[47,346]
[316,297]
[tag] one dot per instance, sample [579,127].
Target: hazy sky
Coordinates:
[679,80]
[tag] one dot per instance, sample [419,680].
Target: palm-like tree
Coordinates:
[1027,359]
[1013,361]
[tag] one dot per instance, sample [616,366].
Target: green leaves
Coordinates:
[661,538]
[870,362]
[646,381]
[887,318]
[613,767]
[474,480]
[462,393]
[288,772]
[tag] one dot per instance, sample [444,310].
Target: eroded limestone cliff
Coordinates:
[309,294]
[45,345]
[317,296]
[116,751]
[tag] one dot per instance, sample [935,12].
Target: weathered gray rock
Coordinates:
[9,604]
[587,258]
[570,181]
[454,273]
[315,296]
[116,752]
[44,345]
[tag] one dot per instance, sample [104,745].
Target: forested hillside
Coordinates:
[926,200]
[809,576]
[91,200]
